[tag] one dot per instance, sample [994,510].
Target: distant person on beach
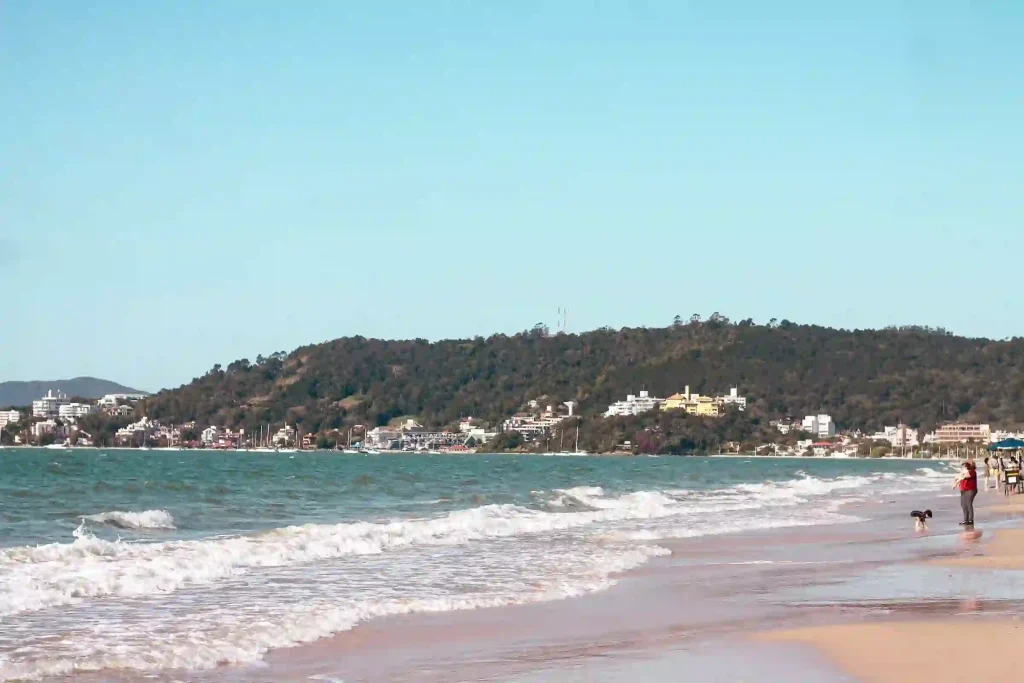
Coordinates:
[967,482]
[989,468]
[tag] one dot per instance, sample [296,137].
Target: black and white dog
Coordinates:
[919,519]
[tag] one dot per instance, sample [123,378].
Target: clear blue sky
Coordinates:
[187,183]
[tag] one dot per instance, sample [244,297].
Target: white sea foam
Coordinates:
[147,519]
[220,637]
[44,576]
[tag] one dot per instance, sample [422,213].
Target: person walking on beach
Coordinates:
[989,467]
[967,482]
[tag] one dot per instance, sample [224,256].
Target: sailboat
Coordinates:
[348,449]
[575,452]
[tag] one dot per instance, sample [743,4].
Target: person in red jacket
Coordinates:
[967,482]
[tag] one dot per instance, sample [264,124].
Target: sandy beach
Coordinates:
[924,648]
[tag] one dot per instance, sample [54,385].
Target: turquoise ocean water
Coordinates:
[156,560]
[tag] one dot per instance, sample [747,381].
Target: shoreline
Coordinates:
[177,449]
[709,593]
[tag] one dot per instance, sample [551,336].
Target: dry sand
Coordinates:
[948,651]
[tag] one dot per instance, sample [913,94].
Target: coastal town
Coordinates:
[54,420]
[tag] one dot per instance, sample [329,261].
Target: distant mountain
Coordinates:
[23,393]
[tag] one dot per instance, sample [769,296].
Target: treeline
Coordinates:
[865,379]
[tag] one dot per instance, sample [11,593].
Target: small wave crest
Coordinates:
[147,519]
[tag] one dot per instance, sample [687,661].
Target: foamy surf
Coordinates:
[147,519]
[205,597]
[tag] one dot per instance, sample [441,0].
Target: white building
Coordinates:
[112,399]
[49,406]
[119,411]
[821,426]
[285,436]
[900,436]
[382,437]
[531,425]
[210,435]
[9,417]
[733,398]
[73,411]
[44,427]
[997,435]
[633,405]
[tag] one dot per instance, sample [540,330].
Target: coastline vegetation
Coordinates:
[864,378]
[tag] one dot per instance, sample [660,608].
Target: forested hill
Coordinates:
[863,378]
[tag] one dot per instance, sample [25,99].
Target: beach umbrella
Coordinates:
[1007,445]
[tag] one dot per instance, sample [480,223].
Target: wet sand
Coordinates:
[980,618]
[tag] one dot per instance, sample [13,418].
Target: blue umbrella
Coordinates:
[1007,445]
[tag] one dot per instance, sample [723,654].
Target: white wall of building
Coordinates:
[633,405]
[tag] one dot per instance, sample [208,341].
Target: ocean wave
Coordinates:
[147,519]
[223,639]
[39,577]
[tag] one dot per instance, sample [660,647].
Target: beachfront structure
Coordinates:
[633,405]
[42,428]
[820,426]
[962,432]
[210,435]
[284,436]
[49,406]
[383,437]
[900,436]
[74,411]
[8,417]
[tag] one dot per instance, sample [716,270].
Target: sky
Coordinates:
[188,183]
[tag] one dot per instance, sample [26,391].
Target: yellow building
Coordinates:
[704,406]
[675,402]
[693,404]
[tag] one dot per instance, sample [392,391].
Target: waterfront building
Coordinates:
[383,437]
[9,417]
[210,435]
[820,426]
[49,406]
[963,432]
[40,429]
[900,436]
[285,436]
[633,405]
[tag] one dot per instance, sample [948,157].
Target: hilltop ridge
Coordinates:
[864,378]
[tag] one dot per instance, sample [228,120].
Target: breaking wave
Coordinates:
[148,519]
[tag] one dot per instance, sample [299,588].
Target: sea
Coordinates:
[156,561]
